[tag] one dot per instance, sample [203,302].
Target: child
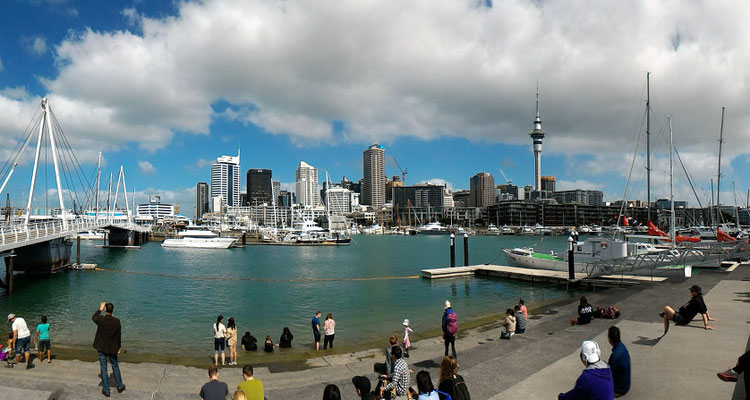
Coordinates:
[42,339]
[510,325]
[407,341]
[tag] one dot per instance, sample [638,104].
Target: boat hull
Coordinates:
[517,260]
[199,243]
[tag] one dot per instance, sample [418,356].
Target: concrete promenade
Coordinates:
[538,364]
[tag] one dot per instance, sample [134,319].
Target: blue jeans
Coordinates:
[115,370]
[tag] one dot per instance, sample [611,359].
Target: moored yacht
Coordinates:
[199,238]
[433,228]
[492,230]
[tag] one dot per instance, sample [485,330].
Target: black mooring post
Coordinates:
[78,250]
[571,261]
[453,250]
[244,238]
[466,249]
[10,274]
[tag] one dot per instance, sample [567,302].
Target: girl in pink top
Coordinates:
[406,343]
[523,309]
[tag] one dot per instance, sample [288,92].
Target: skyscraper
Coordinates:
[259,187]
[225,180]
[482,190]
[537,135]
[307,185]
[373,165]
[201,200]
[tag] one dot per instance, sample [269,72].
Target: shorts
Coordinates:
[23,345]
[317,337]
[44,345]
[219,344]
[679,319]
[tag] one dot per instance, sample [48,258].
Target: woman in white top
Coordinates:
[220,332]
[328,327]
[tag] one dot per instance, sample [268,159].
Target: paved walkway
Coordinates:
[538,364]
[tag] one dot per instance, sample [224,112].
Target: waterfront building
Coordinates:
[218,205]
[518,213]
[482,190]
[527,192]
[461,198]
[537,136]
[355,199]
[355,187]
[201,200]
[338,200]
[373,165]
[259,187]
[448,198]
[225,180]
[307,185]
[424,200]
[507,192]
[286,198]
[276,189]
[156,210]
[579,196]
[666,204]
[548,186]
[389,185]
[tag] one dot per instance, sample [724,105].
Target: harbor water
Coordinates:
[168,299]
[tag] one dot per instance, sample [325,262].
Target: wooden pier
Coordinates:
[532,275]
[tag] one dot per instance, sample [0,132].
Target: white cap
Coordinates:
[447,304]
[11,316]
[590,352]
[406,322]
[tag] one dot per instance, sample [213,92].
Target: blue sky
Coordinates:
[165,87]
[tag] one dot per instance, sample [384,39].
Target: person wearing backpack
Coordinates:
[450,382]
[450,327]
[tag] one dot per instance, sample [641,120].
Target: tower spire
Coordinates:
[537,136]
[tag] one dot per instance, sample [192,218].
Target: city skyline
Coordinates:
[443,117]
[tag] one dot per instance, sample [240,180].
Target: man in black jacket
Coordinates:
[107,344]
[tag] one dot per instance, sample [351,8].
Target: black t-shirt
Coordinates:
[214,390]
[285,341]
[692,308]
[585,313]
[249,343]
[269,346]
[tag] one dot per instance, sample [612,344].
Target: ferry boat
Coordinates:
[199,238]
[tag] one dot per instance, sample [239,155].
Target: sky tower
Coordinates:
[537,135]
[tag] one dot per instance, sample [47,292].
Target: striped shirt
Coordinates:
[400,378]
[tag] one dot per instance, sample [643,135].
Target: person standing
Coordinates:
[220,332]
[619,362]
[214,389]
[687,312]
[21,339]
[316,329]
[107,342]
[406,342]
[42,340]
[252,387]
[329,326]
[232,341]
[450,327]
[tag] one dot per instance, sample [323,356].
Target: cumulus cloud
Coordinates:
[36,45]
[577,184]
[131,16]
[146,167]
[390,69]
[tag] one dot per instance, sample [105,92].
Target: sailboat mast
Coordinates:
[718,178]
[672,218]
[648,144]
[98,183]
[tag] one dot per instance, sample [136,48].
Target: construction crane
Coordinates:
[507,180]
[403,170]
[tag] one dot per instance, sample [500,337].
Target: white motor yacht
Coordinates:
[199,238]
[433,228]
[492,230]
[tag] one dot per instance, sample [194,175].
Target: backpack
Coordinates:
[452,323]
[460,391]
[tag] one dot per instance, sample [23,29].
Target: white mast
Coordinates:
[718,178]
[671,187]
[125,191]
[36,160]
[109,197]
[47,110]
[98,179]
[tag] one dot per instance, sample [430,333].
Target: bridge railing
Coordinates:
[23,233]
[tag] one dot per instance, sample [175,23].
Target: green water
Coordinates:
[168,299]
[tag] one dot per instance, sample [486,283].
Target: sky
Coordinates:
[449,88]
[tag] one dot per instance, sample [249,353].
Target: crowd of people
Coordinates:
[598,380]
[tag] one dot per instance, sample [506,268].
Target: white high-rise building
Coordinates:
[373,166]
[225,180]
[339,200]
[307,185]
